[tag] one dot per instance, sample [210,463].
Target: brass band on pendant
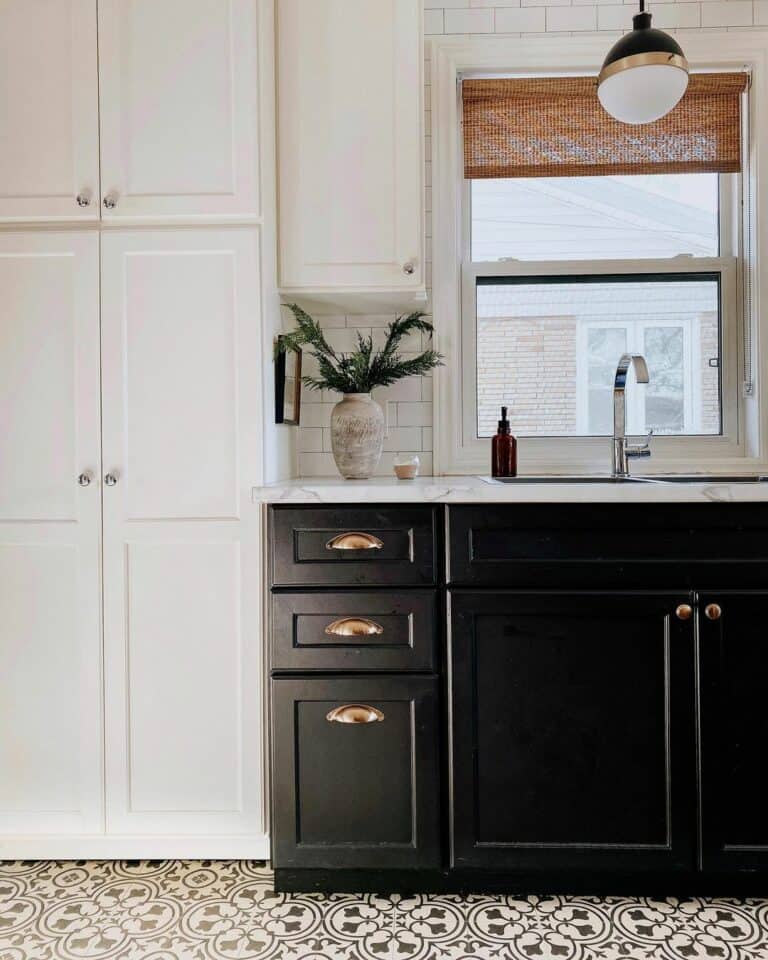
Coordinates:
[656,57]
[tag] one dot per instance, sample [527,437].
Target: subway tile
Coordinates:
[669,16]
[403,438]
[494,3]
[469,21]
[310,439]
[317,465]
[433,22]
[314,414]
[613,17]
[726,13]
[761,13]
[414,414]
[426,438]
[568,19]
[546,3]
[527,20]
[407,389]
[445,4]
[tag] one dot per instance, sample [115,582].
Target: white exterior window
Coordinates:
[561,276]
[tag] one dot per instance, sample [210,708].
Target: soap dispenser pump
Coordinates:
[504,450]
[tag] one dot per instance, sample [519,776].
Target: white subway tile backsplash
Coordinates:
[414,414]
[614,17]
[569,19]
[726,13]
[525,20]
[494,3]
[310,439]
[761,13]
[474,20]
[671,16]
[445,4]
[400,439]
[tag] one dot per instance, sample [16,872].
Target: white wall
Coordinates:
[409,411]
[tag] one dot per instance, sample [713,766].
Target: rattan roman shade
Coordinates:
[556,127]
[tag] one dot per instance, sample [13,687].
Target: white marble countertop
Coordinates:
[475,489]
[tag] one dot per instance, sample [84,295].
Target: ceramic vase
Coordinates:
[357,435]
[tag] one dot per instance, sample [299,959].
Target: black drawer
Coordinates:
[350,546]
[355,794]
[667,545]
[384,630]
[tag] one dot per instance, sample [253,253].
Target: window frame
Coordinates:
[453,58]
[541,449]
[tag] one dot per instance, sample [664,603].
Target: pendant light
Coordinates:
[644,75]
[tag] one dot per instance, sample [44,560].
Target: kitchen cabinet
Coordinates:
[50,616]
[350,100]
[49,137]
[181,410]
[178,85]
[355,767]
[573,730]
[734,730]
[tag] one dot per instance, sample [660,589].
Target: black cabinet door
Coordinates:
[355,794]
[573,731]
[733,659]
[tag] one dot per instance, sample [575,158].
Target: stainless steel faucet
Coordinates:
[622,451]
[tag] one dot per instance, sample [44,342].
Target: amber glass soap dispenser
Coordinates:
[504,450]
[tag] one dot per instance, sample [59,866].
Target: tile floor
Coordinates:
[227,910]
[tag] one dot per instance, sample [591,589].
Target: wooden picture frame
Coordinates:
[288,386]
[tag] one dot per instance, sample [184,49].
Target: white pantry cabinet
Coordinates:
[178,86]
[50,527]
[350,134]
[181,413]
[49,136]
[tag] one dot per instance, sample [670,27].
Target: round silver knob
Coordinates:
[84,479]
[110,479]
[110,201]
[83,200]
[409,268]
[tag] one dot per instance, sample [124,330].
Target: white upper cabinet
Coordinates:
[178,86]
[350,122]
[49,146]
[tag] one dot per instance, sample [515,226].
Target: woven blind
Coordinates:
[556,127]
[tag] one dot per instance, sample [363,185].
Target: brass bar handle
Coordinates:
[354,627]
[684,611]
[354,713]
[354,541]
[713,611]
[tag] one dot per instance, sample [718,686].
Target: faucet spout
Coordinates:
[621,452]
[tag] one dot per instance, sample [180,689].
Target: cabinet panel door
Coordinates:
[180,321]
[49,141]
[50,682]
[734,730]
[179,97]
[350,101]
[355,794]
[573,732]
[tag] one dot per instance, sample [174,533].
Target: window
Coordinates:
[563,274]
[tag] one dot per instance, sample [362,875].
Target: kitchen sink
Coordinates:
[606,478]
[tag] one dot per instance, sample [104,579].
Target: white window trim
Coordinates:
[746,447]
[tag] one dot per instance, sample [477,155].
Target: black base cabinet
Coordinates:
[566,709]
[733,660]
[363,793]
[573,732]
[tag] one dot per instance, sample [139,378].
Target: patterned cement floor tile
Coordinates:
[227,910]
[580,928]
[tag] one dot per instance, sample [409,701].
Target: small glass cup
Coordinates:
[406,466]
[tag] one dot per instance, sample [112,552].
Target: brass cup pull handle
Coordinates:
[354,713]
[684,611]
[713,611]
[354,541]
[354,627]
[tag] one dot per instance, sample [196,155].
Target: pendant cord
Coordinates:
[642,6]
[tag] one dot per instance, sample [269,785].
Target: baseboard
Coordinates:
[112,847]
